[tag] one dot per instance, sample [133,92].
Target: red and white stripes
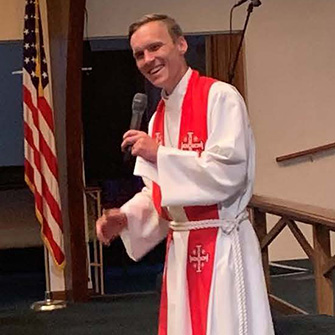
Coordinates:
[41,166]
[41,171]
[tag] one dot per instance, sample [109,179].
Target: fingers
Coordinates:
[111,212]
[101,231]
[131,137]
[131,132]
[110,224]
[146,148]
[141,145]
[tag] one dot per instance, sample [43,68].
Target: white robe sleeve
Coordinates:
[144,229]
[220,173]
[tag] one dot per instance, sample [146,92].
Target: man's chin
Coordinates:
[158,82]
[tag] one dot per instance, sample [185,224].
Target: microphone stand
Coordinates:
[232,70]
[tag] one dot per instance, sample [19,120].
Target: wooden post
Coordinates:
[259,223]
[66,25]
[323,282]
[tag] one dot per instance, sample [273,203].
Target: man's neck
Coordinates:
[168,92]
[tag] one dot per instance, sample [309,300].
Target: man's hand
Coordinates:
[110,224]
[141,145]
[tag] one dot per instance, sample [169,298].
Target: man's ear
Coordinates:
[182,45]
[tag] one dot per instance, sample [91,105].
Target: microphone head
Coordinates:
[140,101]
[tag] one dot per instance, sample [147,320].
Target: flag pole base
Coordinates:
[47,305]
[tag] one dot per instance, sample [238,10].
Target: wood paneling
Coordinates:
[220,54]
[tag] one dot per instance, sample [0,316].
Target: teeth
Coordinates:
[155,70]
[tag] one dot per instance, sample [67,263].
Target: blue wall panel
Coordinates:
[11,115]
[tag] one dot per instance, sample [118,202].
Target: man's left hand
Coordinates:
[141,145]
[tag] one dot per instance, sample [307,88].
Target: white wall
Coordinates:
[290,68]
[112,18]
[291,80]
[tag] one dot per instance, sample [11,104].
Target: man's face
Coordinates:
[158,57]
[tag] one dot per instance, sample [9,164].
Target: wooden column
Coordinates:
[323,282]
[66,24]
[259,223]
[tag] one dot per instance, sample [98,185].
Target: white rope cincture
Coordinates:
[227,225]
[193,225]
[240,287]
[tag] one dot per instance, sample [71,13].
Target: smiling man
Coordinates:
[198,166]
[159,55]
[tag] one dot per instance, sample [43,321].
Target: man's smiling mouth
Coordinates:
[156,69]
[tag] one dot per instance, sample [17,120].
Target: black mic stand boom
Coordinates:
[250,9]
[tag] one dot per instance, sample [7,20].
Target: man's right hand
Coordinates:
[110,224]
[141,145]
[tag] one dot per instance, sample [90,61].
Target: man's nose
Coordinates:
[148,56]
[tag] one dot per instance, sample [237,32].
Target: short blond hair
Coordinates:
[171,24]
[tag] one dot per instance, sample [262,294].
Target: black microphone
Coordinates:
[139,105]
[140,101]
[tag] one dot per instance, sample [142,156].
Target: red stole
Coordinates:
[192,136]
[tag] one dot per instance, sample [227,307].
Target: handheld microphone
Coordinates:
[140,101]
[139,105]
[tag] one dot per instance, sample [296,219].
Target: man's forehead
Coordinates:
[148,33]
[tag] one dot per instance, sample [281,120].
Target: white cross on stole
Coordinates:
[192,142]
[198,257]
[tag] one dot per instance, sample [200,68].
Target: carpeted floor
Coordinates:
[22,282]
[136,315]
[305,325]
[132,314]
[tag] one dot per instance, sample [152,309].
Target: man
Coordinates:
[198,166]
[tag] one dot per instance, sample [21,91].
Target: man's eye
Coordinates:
[138,55]
[155,47]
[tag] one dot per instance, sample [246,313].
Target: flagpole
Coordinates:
[48,304]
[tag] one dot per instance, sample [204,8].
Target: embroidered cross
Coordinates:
[199,257]
[192,142]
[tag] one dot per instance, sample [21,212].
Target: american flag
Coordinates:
[41,167]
